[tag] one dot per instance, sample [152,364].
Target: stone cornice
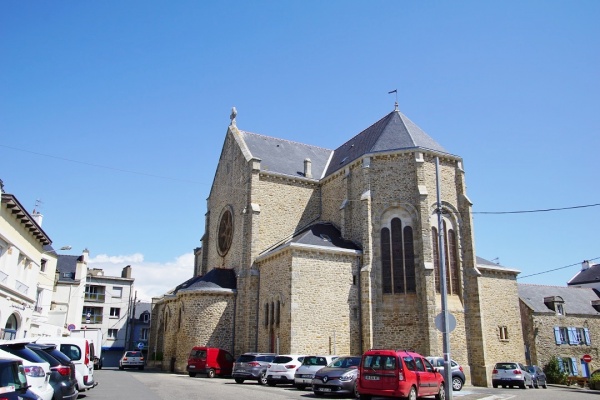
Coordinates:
[307,247]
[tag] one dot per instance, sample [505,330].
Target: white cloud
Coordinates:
[151,279]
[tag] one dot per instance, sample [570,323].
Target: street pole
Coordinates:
[443,288]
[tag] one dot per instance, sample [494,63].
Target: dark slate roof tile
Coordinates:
[576,300]
[216,278]
[589,275]
[393,132]
[286,157]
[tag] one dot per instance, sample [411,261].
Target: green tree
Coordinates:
[553,372]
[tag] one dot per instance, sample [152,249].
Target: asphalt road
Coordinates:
[155,385]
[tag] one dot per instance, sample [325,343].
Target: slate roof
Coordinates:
[590,275]
[286,157]
[322,234]
[67,264]
[576,300]
[142,307]
[393,132]
[216,278]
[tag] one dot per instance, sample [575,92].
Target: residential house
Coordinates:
[106,306]
[69,290]
[563,322]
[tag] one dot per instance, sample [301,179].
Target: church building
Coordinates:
[312,250]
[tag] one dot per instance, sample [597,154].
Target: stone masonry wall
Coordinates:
[319,302]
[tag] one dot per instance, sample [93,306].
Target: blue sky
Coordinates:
[113,114]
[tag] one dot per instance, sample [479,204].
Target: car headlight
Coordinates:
[347,377]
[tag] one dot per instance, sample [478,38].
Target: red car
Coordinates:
[398,373]
[211,361]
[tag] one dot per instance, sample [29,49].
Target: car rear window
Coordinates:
[379,362]
[133,354]
[247,358]
[71,351]
[59,356]
[282,359]
[198,353]
[265,358]
[506,366]
[314,360]
[46,357]
[23,352]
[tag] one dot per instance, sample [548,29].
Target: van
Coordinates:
[211,361]
[78,350]
[398,373]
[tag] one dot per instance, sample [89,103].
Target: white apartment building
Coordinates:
[107,305]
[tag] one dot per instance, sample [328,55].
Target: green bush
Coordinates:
[594,382]
[553,372]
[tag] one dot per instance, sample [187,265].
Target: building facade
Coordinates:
[307,249]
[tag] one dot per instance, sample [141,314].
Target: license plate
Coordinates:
[191,366]
[307,376]
[371,377]
[239,370]
[506,379]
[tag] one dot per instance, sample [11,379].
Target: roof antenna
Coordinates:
[395,104]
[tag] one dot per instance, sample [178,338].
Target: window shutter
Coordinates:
[584,369]
[574,364]
[571,335]
[561,366]
[586,334]
[557,335]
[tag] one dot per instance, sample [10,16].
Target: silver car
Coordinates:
[458,375]
[252,366]
[339,377]
[511,374]
[306,372]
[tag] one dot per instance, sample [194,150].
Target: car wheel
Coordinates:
[263,378]
[319,394]
[239,380]
[271,383]
[300,387]
[545,385]
[365,397]
[536,384]
[412,394]
[441,394]
[141,368]
[356,394]
[495,385]
[523,385]
[121,368]
[211,373]
[192,374]
[457,383]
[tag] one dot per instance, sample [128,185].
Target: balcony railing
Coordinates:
[97,297]
[94,319]
[21,287]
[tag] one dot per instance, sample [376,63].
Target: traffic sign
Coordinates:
[587,358]
[71,327]
[140,345]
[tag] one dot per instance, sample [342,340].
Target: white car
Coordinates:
[78,350]
[37,373]
[306,372]
[283,368]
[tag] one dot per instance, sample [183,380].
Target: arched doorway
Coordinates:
[11,328]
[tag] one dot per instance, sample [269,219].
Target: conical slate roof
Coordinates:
[393,132]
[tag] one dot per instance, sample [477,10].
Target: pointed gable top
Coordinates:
[393,132]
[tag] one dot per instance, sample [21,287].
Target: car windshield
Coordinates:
[506,366]
[345,362]
[314,360]
[282,359]
[12,374]
[198,353]
[133,354]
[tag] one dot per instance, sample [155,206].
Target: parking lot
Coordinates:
[152,384]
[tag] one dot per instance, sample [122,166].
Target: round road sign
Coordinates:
[587,358]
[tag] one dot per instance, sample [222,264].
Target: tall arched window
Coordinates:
[397,258]
[450,258]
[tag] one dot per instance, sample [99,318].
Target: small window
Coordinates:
[117,292]
[560,309]
[115,312]
[112,334]
[146,317]
[503,330]
[144,334]
[43,266]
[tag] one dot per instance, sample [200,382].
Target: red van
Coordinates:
[210,361]
[398,373]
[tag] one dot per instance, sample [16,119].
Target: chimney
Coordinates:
[585,265]
[85,255]
[37,217]
[126,272]
[307,168]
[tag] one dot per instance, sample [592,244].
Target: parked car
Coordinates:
[538,375]
[36,369]
[338,377]
[62,373]
[283,368]
[252,366]
[13,382]
[78,350]
[458,375]
[132,359]
[398,373]
[210,361]
[306,372]
[511,374]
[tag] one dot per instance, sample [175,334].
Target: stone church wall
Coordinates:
[321,316]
